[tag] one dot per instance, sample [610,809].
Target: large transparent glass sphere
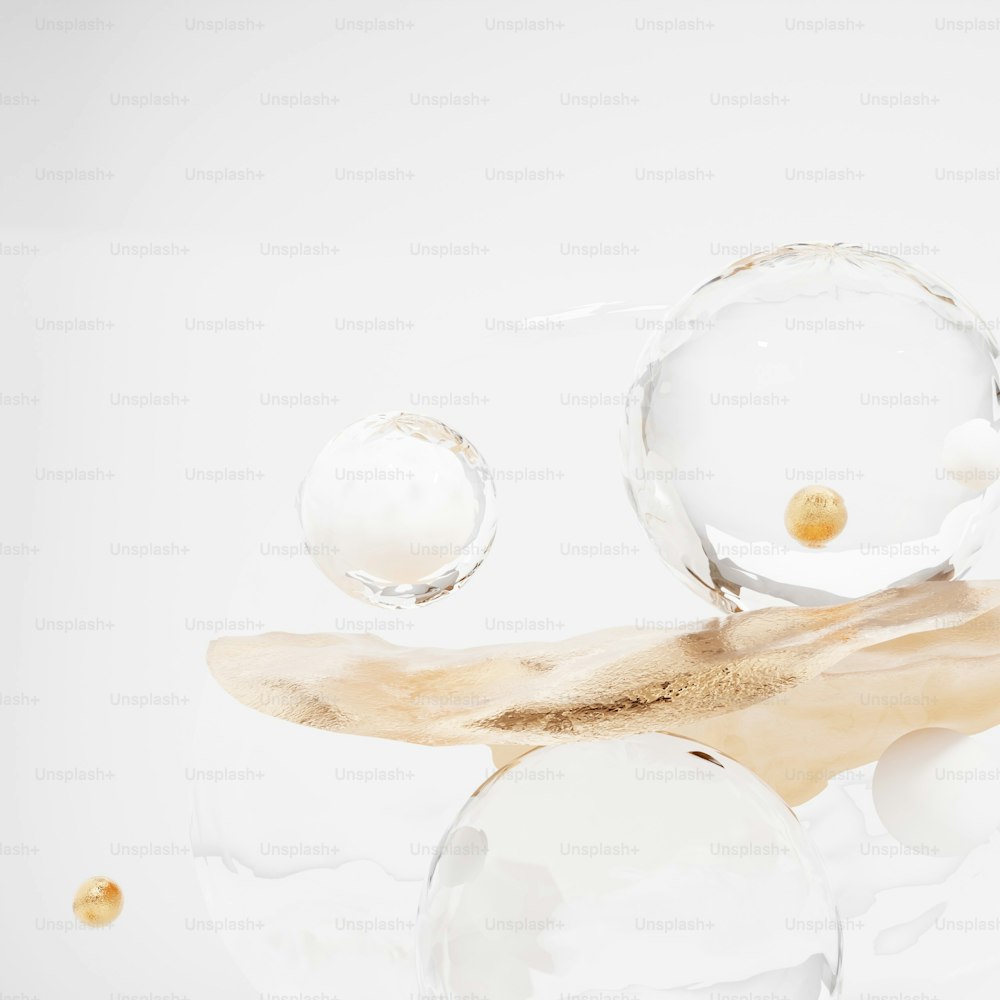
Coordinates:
[649,868]
[398,509]
[817,423]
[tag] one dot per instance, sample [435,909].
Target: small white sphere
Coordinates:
[971,455]
[938,792]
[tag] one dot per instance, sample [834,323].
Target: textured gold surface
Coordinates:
[98,901]
[815,515]
[846,717]
[809,671]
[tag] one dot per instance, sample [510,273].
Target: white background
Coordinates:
[85,325]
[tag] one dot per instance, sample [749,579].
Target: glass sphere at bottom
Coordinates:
[649,867]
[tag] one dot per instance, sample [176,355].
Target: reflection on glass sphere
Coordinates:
[398,509]
[816,371]
[648,867]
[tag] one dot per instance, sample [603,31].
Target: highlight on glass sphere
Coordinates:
[649,866]
[818,423]
[398,509]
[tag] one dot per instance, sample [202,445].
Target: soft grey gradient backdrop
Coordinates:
[141,127]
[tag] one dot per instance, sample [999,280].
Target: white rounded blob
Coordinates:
[971,455]
[398,509]
[820,367]
[648,867]
[938,792]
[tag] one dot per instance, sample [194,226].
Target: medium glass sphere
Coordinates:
[648,867]
[816,424]
[398,509]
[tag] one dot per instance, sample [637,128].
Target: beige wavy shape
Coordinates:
[797,694]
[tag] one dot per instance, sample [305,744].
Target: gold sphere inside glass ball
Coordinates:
[815,516]
[98,901]
[826,351]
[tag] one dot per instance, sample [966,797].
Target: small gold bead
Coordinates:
[98,901]
[815,515]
